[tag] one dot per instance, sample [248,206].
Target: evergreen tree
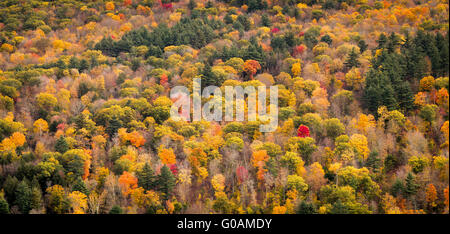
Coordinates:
[373,161]
[352,60]
[80,186]
[209,78]
[405,96]
[146,177]
[306,208]
[378,92]
[390,163]
[442,47]
[254,52]
[411,186]
[397,188]
[327,39]
[36,194]
[61,145]
[24,197]
[265,21]
[112,127]
[362,46]
[83,66]
[135,64]
[9,187]
[245,21]
[74,62]
[382,40]
[4,207]
[392,43]
[166,182]
[415,64]
[238,26]
[339,208]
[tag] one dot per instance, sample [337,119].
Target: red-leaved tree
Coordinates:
[303,131]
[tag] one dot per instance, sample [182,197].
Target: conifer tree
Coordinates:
[146,177]
[61,145]
[411,186]
[166,182]
[24,197]
[352,60]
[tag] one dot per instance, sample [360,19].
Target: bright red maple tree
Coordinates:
[303,131]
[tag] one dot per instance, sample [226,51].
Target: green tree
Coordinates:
[362,46]
[397,188]
[373,161]
[166,182]
[61,145]
[4,207]
[116,210]
[411,186]
[80,186]
[352,60]
[306,208]
[24,197]
[327,39]
[9,187]
[146,177]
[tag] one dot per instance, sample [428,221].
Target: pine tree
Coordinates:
[382,40]
[442,46]
[392,43]
[371,98]
[405,96]
[327,39]
[415,64]
[80,186]
[373,161]
[84,65]
[390,163]
[112,127]
[397,188]
[411,186]
[74,62]
[61,145]
[352,60]
[9,187]
[362,46]
[24,197]
[209,78]
[146,177]
[166,182]
[388,97]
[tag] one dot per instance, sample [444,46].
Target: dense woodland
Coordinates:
[85,103]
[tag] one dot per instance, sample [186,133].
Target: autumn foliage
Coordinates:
[86,96]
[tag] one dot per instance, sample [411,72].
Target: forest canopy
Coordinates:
[85,124]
